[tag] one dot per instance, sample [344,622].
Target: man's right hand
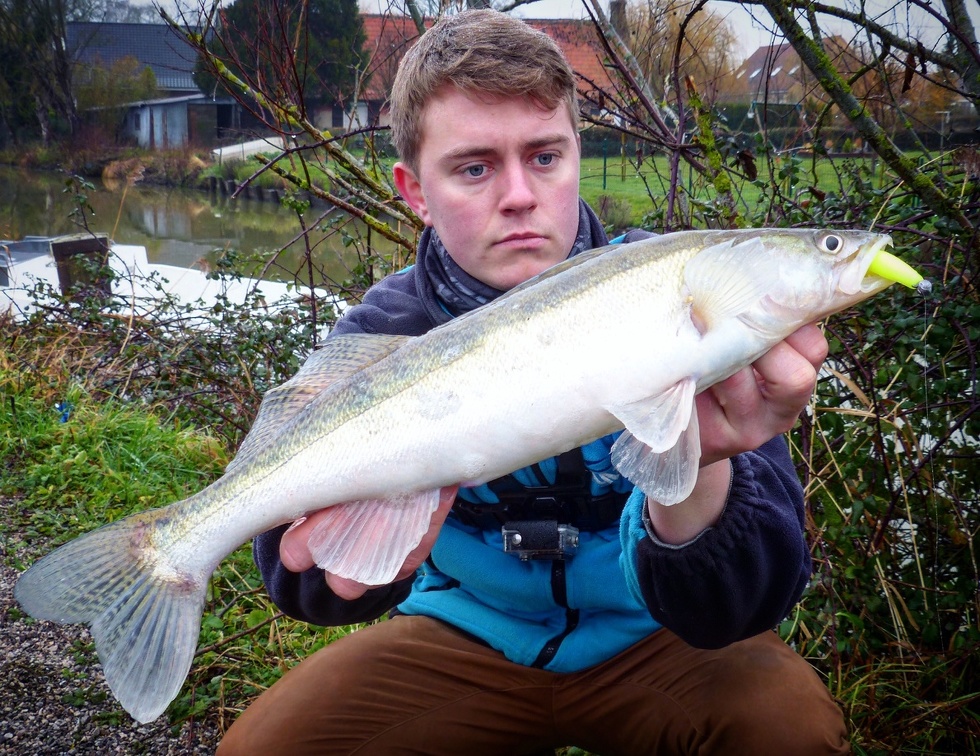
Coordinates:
[295,551]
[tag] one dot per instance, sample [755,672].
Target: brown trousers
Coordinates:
[413,685]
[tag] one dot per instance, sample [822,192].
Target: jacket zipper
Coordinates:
[559,590]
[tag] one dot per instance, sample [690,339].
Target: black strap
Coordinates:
[568,500]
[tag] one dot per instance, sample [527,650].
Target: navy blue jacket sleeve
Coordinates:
[738,578]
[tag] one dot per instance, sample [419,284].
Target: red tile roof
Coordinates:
[388,38]
[580,43]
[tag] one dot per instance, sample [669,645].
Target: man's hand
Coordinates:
[295,551]
[738,415]
[763,400]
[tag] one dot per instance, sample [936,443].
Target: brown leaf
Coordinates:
[909,72]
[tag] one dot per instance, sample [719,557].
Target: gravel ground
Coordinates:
[54,700]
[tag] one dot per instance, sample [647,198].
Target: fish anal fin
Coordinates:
[667,477]
[340,357]
[368,541]
[659,420]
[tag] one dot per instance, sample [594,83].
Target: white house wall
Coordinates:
[169,125]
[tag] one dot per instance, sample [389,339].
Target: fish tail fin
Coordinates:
[145,614]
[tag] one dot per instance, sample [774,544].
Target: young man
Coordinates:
[654,636]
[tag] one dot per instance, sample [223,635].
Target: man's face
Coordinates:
[498,181]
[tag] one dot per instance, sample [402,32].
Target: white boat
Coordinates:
[142,285]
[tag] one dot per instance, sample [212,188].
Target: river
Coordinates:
[182,227]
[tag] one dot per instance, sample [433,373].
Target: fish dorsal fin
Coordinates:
[727,279]
[368,541]
[340,357]
[661,448]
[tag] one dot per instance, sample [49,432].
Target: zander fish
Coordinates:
[373,426]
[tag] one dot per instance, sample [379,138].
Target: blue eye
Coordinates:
[546,158]
[475,170]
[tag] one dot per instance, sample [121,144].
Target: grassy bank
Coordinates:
[72,462]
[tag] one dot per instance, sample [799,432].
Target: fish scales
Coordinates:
[414,366]
[372,426]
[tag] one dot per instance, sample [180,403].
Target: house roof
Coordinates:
[158,46]
[389,37]
[774,70]
[770,69]
[579,41]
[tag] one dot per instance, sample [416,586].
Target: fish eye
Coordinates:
[830,243]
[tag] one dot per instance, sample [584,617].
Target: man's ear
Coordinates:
[410,189]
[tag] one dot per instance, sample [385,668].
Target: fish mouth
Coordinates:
[875,269]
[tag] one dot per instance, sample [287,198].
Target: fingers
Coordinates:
[785,381]
[761,401]
[810,342]
[294,550]
[346,588]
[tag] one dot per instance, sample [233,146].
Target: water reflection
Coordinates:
[182,227]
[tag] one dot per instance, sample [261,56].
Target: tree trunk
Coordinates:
[963,44]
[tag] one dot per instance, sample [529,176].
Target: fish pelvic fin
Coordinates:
[666,476]
[368,541]
[145,617]
[659,420]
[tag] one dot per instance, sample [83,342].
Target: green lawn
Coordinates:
[646,189]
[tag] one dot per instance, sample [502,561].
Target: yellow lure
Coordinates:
[891,268]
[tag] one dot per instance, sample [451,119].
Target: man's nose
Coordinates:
[518,194]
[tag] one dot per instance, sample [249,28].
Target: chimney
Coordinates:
[617,17]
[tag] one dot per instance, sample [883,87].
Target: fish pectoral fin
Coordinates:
[726,280]
[666,476]
[340,357]
[368,541]
[658,421]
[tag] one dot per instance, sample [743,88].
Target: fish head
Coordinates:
[832,270]
[823,268]
[779,279]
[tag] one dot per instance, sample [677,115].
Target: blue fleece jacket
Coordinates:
[736,579]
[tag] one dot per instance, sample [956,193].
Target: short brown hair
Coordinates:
[477,51]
